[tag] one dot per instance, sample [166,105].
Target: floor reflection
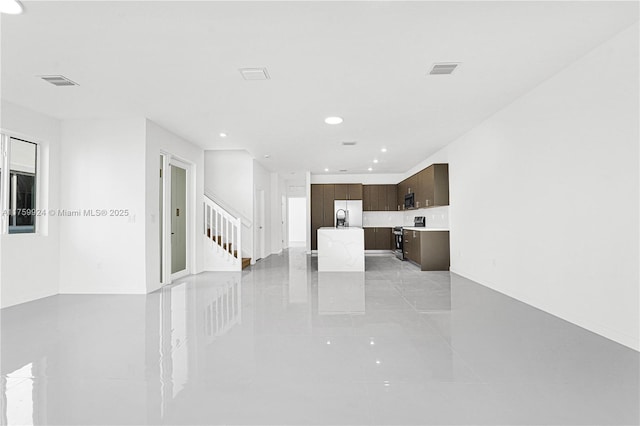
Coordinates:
[19,396]
[192,316]
[283,344]
[341,293]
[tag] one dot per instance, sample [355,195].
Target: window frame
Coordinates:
[5,183]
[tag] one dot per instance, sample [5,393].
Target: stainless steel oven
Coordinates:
[398,237]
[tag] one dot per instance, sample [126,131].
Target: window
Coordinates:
[19,192]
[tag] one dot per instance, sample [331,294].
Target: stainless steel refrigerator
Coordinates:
[353,208]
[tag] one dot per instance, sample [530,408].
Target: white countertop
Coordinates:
[414,228]
[348,228]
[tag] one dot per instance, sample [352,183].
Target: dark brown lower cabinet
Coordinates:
[428,249]
[369,238]
[411,245]
[378,239]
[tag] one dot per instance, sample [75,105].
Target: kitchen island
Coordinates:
[340,249]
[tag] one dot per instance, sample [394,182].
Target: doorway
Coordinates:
[260,238]
[161,210]
[178,220]
[297,213]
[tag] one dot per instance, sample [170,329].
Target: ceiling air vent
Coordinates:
[58,80]
[443,68]
[254,73]
[343,170]
[349,143]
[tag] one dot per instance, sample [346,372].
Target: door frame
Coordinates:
[260,232]
[284,220]
[172,160]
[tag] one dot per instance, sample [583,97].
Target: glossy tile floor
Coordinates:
[283,344]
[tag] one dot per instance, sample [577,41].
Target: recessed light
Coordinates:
[10,7]
[267,156]
[375,160]
[333,120]
[383,150]
[223,135]
[370,168]
[326,169]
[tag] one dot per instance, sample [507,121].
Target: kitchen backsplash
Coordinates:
[436,217]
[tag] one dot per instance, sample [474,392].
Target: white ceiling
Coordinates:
[177,64]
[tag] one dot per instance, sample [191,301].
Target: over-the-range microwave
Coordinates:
[409,201]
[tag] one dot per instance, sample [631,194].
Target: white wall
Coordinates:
[93,164]
[544,194]
[103,167]
[295,187]
[228,178]
[278,233]
[233,179]
[29,263]
[159,140]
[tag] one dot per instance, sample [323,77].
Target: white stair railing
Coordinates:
[225,231]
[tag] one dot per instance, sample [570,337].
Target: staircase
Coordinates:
[223,234]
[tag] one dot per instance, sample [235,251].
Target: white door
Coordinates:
[260,226]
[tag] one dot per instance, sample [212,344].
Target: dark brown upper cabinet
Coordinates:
[406,187]
[348,191]
[355,191]
[341,192]
[402,191]
[433,186]
[429,186]
[366,197]
[374,201]
[392,198]
[379,198]
[412,184]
